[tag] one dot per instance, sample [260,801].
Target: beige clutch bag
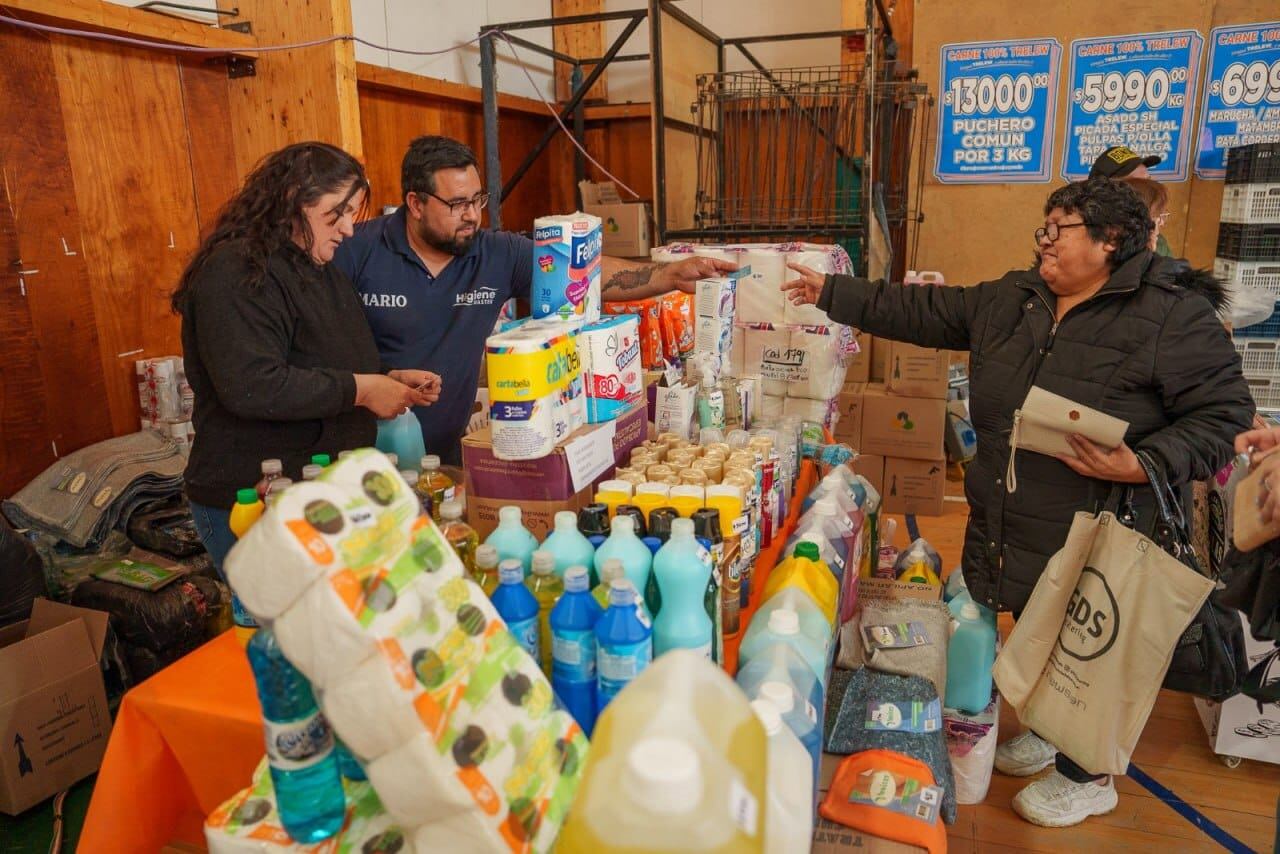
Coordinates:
[1045,419]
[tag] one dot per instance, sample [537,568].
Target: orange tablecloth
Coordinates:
[184,741]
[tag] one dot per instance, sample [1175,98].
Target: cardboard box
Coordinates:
[870,466]
[849,415]
[888,588]
[860,362]
[879,358]
[538,516]
[916,487]
[550,478]
[1235,727]
[623,225]
[52,703]
[917,371]
[832,838]
[906,427]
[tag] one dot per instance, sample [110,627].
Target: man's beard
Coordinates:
[453,244]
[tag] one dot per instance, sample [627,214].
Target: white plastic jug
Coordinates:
[789,811]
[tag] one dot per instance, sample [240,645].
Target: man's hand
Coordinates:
[683,275]
[631,280]
[425,383]
[1119,466]
[806,289]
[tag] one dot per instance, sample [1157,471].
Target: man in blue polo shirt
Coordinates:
[433,282]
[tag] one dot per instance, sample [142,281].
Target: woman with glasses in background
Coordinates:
[1103,321]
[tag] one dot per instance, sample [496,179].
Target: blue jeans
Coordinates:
[214,527]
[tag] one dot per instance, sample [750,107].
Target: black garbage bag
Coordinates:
[170,621]
[21,575]
[165,527]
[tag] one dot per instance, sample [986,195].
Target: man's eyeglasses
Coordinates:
[459,208]
[1052,230]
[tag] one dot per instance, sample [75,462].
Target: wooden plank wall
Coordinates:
[580,40]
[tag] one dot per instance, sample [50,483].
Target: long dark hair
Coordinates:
[261,218]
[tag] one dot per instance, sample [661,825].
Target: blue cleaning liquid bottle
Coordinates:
[518,607]
[970,657]
[573,647]
[683,569]
[512,539]
[567,544]
[780,675]
[348,765]
[304,769]
[624,643]
[402,436]
[624,545]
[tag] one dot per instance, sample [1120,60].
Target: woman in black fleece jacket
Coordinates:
[277,350]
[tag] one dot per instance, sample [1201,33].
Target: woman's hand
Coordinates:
[1269,495]
[425,383]
[1120,465]
[386,397]
[806,289]
[1258,439]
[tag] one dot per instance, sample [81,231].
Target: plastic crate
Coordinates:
[1251,203]
[1258,163]
[1238,242]
[1248,274]
[1269,328]
[1265,391]
[1260,357]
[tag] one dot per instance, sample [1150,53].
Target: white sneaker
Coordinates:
[1024,755]
[1055,801]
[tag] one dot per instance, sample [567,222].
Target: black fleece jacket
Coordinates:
[1147,348]
[272,367]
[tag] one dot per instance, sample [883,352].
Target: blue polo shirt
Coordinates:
[436,323]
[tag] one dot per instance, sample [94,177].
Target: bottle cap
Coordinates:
[576,579]
[636,515]
[344,454]
[592,519]
[272,467]
[612,570]
[511,572]
[566,520]
[622,592]
[825,507]
[623,524]
[660,520]
[615,486]
[431,462]
[544,562]
[487,557]
[653,489]
[321,460]
[779,695]
[311,471]
[665,775]
[510,514]
[969,611]
[710,436]
[784,621]
[706,524]
[682,527]
[768,714]
[410,476]
[451,509]
[247,496]
[724,490]
[807,549]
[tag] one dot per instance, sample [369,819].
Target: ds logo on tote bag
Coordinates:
[1093,618]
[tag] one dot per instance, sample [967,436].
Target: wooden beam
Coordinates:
[618,111]
[106,17]
[377,77]
[578,40]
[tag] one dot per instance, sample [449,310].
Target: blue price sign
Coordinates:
[1136,90]
[996,113]
[1241,93]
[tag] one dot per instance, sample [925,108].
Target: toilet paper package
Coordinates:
[824,259]
[820,362]
[611,372]
[535,389]
[566,267]
[767,354]
[771,406]
[760,297]
[971,743]
[809,410]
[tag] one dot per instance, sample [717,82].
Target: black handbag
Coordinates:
[1209,660]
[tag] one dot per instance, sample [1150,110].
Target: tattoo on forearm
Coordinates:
[631,278]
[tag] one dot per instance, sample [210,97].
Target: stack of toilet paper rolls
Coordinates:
[455,724]
[799,354]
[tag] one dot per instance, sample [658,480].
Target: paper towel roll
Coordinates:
[358,473]
[760,297]
[821,364]
[372,692]
[810,315]
[765,354]
[417,784]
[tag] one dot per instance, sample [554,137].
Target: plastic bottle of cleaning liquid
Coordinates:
[887,555]
[245,512]
[271,470]
[727,501]
[567,545]
[304,770]
[649,497]
[955,585]
[813,619]
[789,809]
[512,539]
[611,570]
[780,674]
[275,489]
[784,627]
[611,493]
[311,471]
[801,717]
[593,523]
[624,642]
[460,535]
[402,436]
[970,656]
[660,521]
[825,518]
[348,766]
[434,487]
[518,607]
[678,764]
[706,527]
[624,545]
[547,587]
[709,402]
[683,569]
[638,515]
[486,574]
[806,570]
[687,498]
[573,647]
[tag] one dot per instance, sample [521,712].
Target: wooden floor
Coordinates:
[1174,751]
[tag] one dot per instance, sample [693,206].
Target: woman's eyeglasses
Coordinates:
[1052,230]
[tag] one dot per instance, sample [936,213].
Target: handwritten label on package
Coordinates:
[1241,93]
[591,455]
[903,716]
[784,364]
[997,110]
[896,636]
[1136,90]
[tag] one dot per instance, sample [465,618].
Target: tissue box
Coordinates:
[611,373]
[717,297]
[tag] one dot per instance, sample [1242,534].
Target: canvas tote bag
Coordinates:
[1085,660]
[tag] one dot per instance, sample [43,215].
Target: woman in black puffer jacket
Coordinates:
[1102,321]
